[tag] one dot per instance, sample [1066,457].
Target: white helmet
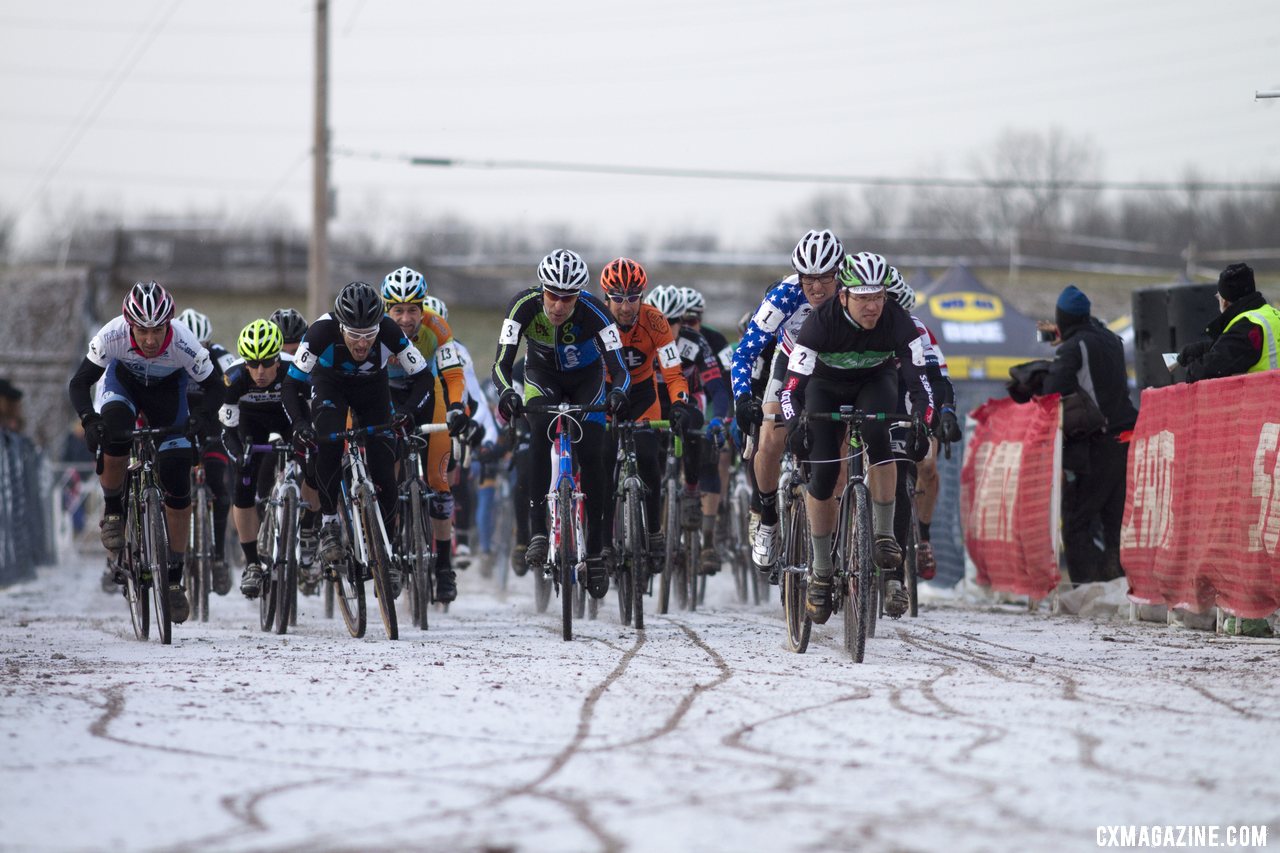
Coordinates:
[695,302]
[669,300]
[404,285]
[198,324]
[899,289]
[817,253]
[864,272]
[436,304]
[564,271]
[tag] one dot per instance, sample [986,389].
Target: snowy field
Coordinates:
[967,729]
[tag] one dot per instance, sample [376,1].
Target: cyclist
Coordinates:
[213,454]
[147,361]
[816,260]
[252,410]
[843,355]
[573,350]
[403,293]
[646,339]
[345,355]
[946,427]
[292,327]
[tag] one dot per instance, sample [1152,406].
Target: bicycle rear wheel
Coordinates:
[671,543]
[420,556]
[375,538]
[198,572]
[156,548]
[794,585]
[286,561]
[568,554]
[348,578]
[910,565]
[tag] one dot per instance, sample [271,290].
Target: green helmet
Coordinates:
[260,340]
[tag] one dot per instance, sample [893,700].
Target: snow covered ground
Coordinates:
[967,729]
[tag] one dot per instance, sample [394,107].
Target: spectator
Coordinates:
[1244,338]
[1090,362]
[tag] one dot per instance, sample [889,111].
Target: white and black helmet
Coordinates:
[563,271]
[898,288]
[817,253]
[669,300]
[436,304]
[695,302]
[404,286]
[864,272]
[198,324]
[147,304]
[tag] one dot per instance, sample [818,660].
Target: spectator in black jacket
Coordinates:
[1090,363]
[1244,338]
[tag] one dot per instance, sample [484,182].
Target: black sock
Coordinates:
[308,519]
[113,504]
[250,551]
[175,569]
[444,554]
[924,530]
[769,507]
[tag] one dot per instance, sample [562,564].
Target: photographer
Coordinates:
[1090,362]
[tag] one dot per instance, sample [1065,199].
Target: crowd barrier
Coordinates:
[26,500]
[1010,491]
[1202,512]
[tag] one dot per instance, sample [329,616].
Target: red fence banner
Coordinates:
[1202,509]
[1009,495]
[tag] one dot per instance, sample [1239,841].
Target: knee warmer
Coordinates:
[173,469]
[440,505]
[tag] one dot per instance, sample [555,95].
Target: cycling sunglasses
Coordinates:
[361,334]
[260,362]
[629,298]
[559,297]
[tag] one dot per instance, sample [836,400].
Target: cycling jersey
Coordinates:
[437,346]
[645,341]
[180,352]
[719,345]
[324,352]
[580,342]
[702,370]
[779,317]
[244,396]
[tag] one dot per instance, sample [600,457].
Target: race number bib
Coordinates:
[510,333]
[802,361]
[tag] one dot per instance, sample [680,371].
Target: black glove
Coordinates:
[1193,352]
[457,420]
[234,447]
[304,436]
[473,434]
[510,405]
[685,417]
[918,443]
[748,411]
[799,441]
[949,426]
[196,423]
[402,422]
[95,431]
[617,402]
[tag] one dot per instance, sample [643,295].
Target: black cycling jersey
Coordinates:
[324,353]
[580,342]
[831,346]
[720,346]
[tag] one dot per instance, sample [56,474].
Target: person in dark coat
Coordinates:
[1243,338]
[1090,362]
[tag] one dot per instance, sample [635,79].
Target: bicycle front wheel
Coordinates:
[568,555]
[156,549]
[198,572]
[380,565]
[348,577]
[268,598]
[861,600]
[671,542]
[286,567]
[130,562]
[421,557]
[799,625]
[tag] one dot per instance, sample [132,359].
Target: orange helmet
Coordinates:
[623,276]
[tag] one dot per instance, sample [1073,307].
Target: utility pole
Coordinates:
[318,253]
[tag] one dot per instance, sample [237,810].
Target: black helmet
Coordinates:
[358,306]
[292,324]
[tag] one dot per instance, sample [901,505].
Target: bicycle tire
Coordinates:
[742,569]
[329,596]
[198,573]
[156,536]
[568,552]
[266,558]
[637,571]
[794,583]
[375,538]
[286,568]
[136,587]
[348,580]
[421,556]
[692,568]
[862,601]
[910,563]
[671,527]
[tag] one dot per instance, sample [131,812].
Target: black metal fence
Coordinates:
[26,495]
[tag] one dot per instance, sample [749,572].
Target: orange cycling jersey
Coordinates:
[435,341]
[649,339]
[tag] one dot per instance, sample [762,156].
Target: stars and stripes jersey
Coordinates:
[648,341]
[833,347]
[588,336]
[179,353]
[781,314]
[932,352]
[435,341]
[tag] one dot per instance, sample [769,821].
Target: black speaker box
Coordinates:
[1165,319]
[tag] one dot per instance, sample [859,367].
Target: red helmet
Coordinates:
[623,276]
[148,305]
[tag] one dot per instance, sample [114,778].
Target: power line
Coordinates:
[815,177]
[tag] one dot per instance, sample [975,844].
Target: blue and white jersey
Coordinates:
[180,352]
[781,314]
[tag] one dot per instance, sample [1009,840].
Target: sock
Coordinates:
[708,531]
[329,518]
[308,519]
[175,569]
[822,565]
[113,502]
[769,507]
[924,531]
[250,549]
[882,517]
[444,555]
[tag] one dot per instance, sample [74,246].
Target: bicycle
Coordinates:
[278,538]
[796,551]
[198,572]
[143,563]
[567,538]
[414,550]
[736,514]
[364,537]
[631,526]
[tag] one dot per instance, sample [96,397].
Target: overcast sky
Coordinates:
[157,105]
